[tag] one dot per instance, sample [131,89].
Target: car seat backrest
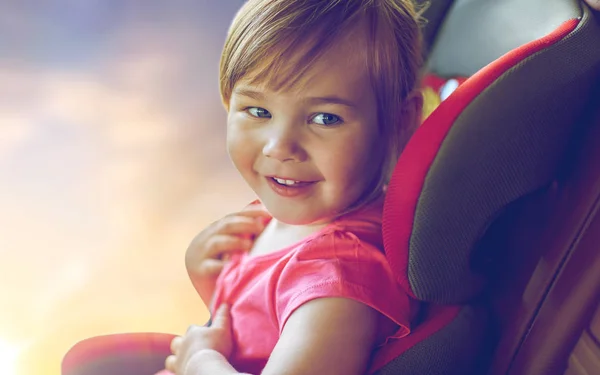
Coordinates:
[500,136]
[489,153]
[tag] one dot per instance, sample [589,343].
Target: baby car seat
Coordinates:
[502,147]
[490,210]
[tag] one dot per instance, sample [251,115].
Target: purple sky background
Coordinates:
[112,158]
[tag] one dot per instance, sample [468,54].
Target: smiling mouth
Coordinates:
[282,181]
[290,188]
[289,182]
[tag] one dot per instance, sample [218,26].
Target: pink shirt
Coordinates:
[344,259]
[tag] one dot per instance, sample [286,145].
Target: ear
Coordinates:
[412,108]
[411,115]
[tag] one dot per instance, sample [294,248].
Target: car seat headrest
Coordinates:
[498,137]
[477,32]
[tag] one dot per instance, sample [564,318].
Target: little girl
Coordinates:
[320,101]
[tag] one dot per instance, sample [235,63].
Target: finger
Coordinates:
[176,344]
[212,266]
[192,328]
[254,211]
[222,317]
[171,363]
[222,243]
[241,225]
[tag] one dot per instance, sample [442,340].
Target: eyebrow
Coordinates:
[332,99]
[253,94]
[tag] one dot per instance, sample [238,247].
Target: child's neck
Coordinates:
[278,235]
[280,226]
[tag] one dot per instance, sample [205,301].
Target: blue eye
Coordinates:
[326,119]
[258,112]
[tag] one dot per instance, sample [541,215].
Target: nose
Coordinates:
[283,144]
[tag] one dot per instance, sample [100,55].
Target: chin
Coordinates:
[293,216]
[292,219]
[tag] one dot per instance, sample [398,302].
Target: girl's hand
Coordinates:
[206,255]
[197,339]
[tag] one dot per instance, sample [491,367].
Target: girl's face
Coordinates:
[311,151]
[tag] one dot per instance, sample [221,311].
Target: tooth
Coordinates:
[286,182]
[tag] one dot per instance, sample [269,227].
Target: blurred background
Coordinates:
[112,158]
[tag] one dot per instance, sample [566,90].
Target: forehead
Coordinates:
[341,66]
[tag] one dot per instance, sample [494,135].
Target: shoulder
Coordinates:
[343,265]
[346,260]
[357,234]
[367,218]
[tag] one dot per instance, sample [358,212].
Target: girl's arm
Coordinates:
[324,336]
[210,362]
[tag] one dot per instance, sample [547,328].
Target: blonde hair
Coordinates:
[265,37]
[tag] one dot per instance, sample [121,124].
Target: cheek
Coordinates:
[239,147]
[232,145]
[362,162]
[352,164]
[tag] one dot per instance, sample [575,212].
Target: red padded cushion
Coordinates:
[97,354]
